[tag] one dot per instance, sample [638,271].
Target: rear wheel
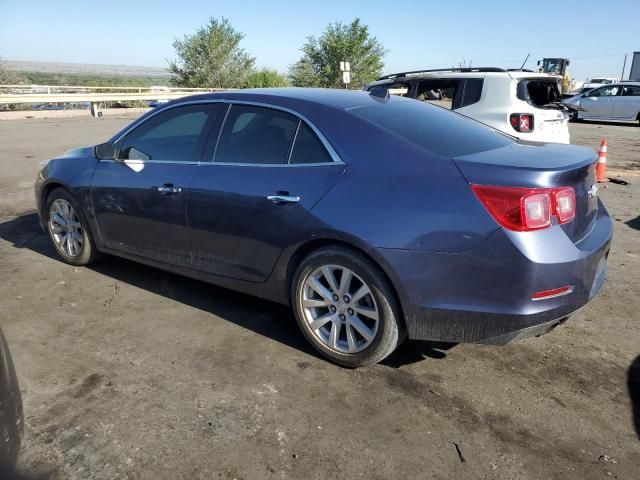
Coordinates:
[67,228]
[346,308]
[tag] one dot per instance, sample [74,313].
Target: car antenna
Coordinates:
[525,61]
[380,92]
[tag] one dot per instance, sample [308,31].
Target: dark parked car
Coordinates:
[375,218]
[11,417]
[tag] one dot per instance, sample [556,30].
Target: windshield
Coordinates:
[433,128]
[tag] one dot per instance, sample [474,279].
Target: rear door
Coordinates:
[627,104]
[599,103]
[266,170]
[140,199]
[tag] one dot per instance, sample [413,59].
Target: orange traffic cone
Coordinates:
[601,165]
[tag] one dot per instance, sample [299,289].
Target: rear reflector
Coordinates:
[521,122]
[526,209]
[554,292]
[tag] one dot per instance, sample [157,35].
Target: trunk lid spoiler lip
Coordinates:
[522,155]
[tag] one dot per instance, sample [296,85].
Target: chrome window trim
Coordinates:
[176,162]
[293,142]
[272,165]
[332,153]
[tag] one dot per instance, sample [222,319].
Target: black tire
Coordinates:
[390,327]
[87,253]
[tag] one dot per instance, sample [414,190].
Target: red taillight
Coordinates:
[526,209]
[521,122]
[565,204]
[536,211]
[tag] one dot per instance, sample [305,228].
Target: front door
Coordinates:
[252,200]
[598,103]
[140,199]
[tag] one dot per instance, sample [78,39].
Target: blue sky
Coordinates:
[418,34]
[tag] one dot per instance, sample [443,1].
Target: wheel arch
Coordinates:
[48,188]
[85,211]
[314,244]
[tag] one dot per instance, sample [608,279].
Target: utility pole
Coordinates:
[623,66]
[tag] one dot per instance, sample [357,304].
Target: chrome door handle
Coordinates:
[283,199]
[168,189]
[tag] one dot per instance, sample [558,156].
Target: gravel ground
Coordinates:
[131,372]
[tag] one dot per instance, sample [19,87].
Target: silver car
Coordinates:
[613,102]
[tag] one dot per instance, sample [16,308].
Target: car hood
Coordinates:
[572,100]
[79,152]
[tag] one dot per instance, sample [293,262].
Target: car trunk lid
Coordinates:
[540,166]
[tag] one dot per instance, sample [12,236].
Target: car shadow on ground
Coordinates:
[633,383]
[266,318]
[634,223]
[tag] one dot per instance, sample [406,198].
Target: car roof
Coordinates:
[426,75]
[624,83]
[293,97]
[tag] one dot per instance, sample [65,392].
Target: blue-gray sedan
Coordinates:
[375,218]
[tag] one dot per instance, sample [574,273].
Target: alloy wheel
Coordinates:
[339,309]
[65,228]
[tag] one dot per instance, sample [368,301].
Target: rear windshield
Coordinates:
[538,92]
[435,129]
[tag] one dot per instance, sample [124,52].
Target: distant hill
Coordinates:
[86,68]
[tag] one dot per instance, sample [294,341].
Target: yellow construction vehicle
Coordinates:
[556,66]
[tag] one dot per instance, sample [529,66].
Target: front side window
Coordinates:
[172,135]
[256,135]
[401,89]
[605,91]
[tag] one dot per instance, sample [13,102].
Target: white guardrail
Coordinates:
[77,94]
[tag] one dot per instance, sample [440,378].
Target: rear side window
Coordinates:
[438,92]
[172,135]
[472,91]
[308,148]
[434,129]
[450,93]
[631,91]
[256,135]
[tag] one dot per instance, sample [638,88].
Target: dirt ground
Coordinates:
[131,372]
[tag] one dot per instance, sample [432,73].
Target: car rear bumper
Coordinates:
[485,295]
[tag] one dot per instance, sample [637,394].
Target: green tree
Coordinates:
[211,58]
[320,62]
[265,78]
[8,77]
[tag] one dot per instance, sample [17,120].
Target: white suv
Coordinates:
[517,102]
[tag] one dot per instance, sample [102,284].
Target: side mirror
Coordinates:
[105,151]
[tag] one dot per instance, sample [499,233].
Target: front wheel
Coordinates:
[346,308]
[67,228]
